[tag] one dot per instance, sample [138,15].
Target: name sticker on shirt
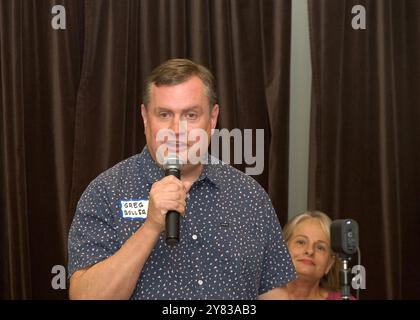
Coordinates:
[134,209]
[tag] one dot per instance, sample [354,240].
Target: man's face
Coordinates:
[175,115]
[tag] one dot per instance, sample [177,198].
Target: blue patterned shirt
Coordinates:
[231,244]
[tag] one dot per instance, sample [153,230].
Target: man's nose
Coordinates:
[178,126]
[174,125]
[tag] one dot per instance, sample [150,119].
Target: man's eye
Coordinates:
[164,115]
[191,116]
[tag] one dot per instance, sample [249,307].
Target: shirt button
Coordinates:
[194,236]
[200,282]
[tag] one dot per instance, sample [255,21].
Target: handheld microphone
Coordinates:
[172,166]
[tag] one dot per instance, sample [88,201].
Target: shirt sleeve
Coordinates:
[92,237]
[278,268]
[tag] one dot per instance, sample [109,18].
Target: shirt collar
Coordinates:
[153,172]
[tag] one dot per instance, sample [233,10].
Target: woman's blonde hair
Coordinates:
[331,280]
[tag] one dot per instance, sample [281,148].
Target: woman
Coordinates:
[308,239]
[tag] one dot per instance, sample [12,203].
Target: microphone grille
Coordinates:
[172,161]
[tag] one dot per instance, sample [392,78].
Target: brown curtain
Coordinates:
[365,138]
[69,105]
[40,72]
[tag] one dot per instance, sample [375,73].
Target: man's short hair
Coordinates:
[176,71]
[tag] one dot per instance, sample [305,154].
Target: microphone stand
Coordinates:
[345,276]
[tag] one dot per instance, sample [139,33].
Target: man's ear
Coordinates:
[144,116]
[214,115]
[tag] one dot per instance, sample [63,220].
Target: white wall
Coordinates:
[300,102]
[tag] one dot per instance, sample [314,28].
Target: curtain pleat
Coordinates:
[365,133]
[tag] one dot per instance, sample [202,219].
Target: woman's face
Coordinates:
[309,248]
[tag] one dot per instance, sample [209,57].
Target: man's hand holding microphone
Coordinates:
[167,201]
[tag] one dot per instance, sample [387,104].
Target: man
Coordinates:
[231,244]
